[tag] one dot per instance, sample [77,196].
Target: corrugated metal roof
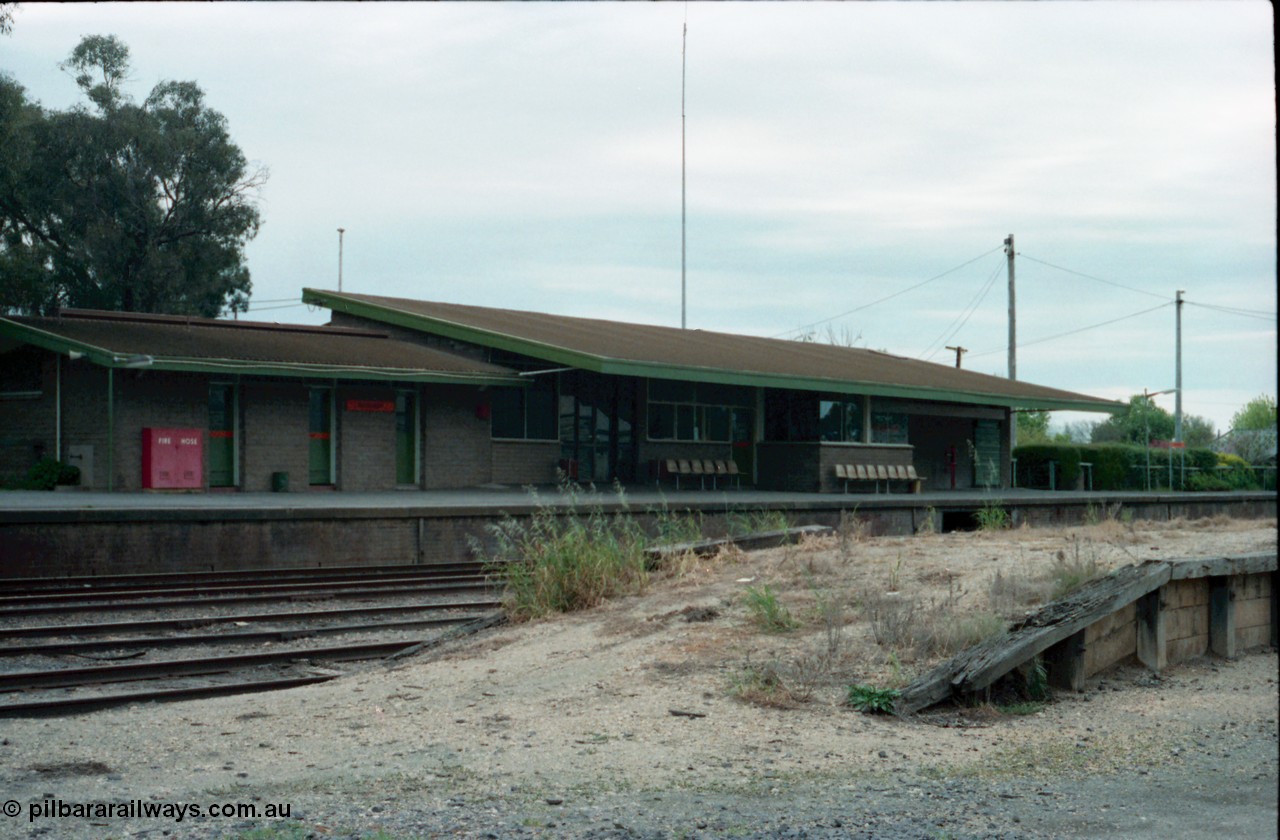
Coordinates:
[641,349]
[179,342]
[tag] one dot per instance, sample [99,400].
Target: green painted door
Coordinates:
[321,443]
[406,440]
[222,436]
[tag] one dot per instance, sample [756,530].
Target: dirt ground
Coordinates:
[676,712]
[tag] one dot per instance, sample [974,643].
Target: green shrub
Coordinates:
[47,473]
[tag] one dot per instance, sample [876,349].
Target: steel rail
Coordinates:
[94,675]
[196,622]
[233,637]
[20,609]
[162,579]
[80,704]
[298,586]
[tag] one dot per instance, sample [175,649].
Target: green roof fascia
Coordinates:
[57,343]
[309,371]
[620,367]
[108,358]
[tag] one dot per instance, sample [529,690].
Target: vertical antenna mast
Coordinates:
[340,232]
[683,44]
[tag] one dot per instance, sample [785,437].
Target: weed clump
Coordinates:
[767,611]
[872,700]
[562,558]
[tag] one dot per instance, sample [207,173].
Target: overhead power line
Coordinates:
[952,329]
[886,297]
[1091,277]
[1075,331]
[1231,310]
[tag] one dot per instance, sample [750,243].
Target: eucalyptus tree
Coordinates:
[114,204]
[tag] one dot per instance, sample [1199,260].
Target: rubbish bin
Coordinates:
[280,482]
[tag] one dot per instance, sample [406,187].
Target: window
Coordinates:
[840,420]
[791,416]
[888,427]
[20,373]
[526,413]
[697,411]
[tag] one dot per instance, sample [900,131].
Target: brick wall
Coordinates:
[27,423]
[367,444]
[274,434]
[523,462]
[455,442]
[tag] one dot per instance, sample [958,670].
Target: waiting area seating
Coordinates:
[702,469]
[878,473]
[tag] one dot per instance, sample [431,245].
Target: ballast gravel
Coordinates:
[620,722]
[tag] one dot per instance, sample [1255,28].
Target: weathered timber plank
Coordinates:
[1091,602]
[1237,564]
[979,666]
[750,542]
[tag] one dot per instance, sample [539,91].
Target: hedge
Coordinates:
[1122,467]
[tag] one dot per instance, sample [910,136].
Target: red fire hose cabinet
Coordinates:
[172,459]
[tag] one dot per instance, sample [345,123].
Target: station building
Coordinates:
[407,394]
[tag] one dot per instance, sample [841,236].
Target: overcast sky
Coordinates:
[528,156]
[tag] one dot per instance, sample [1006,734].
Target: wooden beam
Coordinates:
[1151,631]
[1222,617]
[1240,564]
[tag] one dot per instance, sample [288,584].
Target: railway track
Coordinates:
[38,674]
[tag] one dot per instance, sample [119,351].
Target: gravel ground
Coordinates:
[566,728]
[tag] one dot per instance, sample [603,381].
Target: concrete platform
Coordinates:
[80,532]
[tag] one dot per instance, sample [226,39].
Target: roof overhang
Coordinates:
[105,357]
[387,314]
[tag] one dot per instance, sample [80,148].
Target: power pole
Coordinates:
[1013,341]
[340,232]
[1177,380]
[1013,314]
[960,351]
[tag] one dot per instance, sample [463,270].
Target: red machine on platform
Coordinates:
[172,459]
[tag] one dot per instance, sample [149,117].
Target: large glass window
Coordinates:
[888,427]
[840,420]
[526,413]
[697,411]
[791,416]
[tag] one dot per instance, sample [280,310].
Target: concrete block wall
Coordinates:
[1186,617]
[455,440]
[1110,641]
[521,462]
[274,434]
[1253,594]
[367,443]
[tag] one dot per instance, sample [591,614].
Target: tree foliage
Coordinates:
[1033,427]
[119,205]
[1144,421]
[1257,414]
